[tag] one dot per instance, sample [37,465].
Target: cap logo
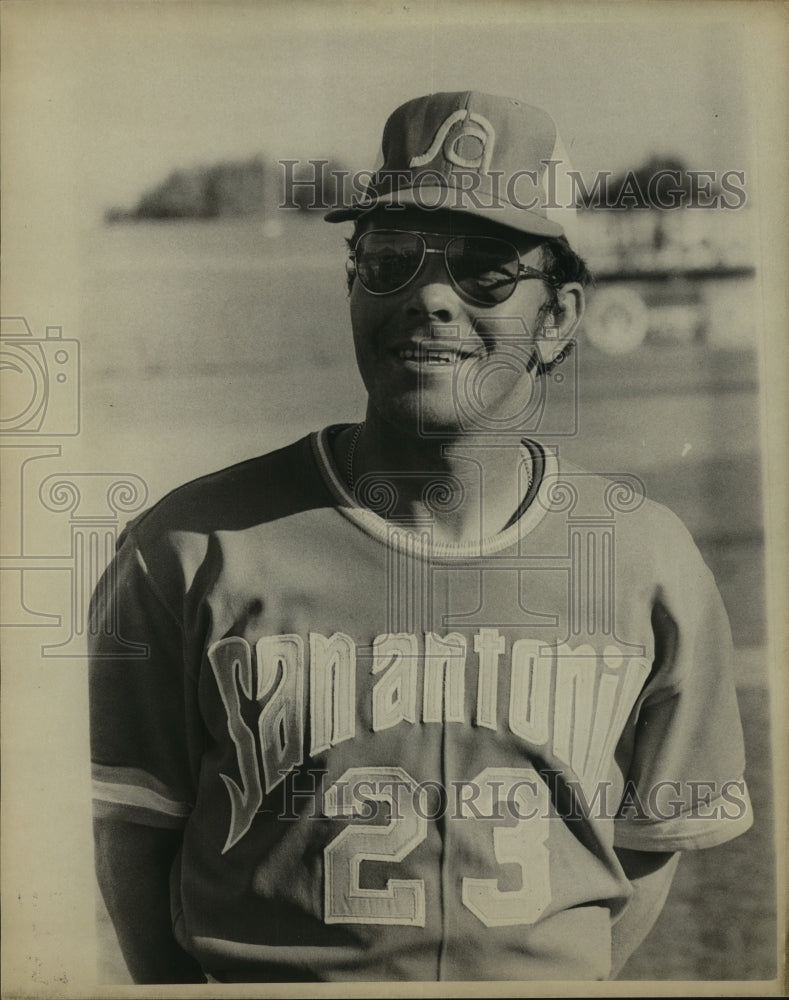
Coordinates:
[470,147]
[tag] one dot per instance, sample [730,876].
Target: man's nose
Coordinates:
[432,294]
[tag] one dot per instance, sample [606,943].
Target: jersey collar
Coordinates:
[418,541]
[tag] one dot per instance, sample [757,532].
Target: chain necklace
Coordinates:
[350,479]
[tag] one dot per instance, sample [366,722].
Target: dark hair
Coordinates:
[564,265]
[559,261]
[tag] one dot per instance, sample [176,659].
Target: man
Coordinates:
[419,701]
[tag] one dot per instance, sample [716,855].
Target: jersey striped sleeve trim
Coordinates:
[133,794]
[723,819]
[379,528]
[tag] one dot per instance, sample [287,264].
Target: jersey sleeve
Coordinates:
[140,699]
[685,785]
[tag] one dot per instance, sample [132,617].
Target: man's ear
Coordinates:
[560,325]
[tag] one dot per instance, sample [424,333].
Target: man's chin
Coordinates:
[417,418]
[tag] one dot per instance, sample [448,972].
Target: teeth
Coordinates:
[432,357]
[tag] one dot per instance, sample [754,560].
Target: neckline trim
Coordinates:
[417,541]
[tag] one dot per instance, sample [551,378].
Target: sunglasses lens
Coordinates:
[387,261]
[485,269]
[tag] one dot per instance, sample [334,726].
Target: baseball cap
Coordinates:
[469,152]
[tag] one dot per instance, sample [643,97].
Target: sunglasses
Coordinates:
[485,269]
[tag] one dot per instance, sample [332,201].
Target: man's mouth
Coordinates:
[431,356]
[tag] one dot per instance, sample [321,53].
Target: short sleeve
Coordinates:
[140,699]
[685,785]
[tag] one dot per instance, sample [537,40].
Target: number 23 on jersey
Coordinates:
[402,901]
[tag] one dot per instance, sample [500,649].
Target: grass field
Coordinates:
[719,920]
